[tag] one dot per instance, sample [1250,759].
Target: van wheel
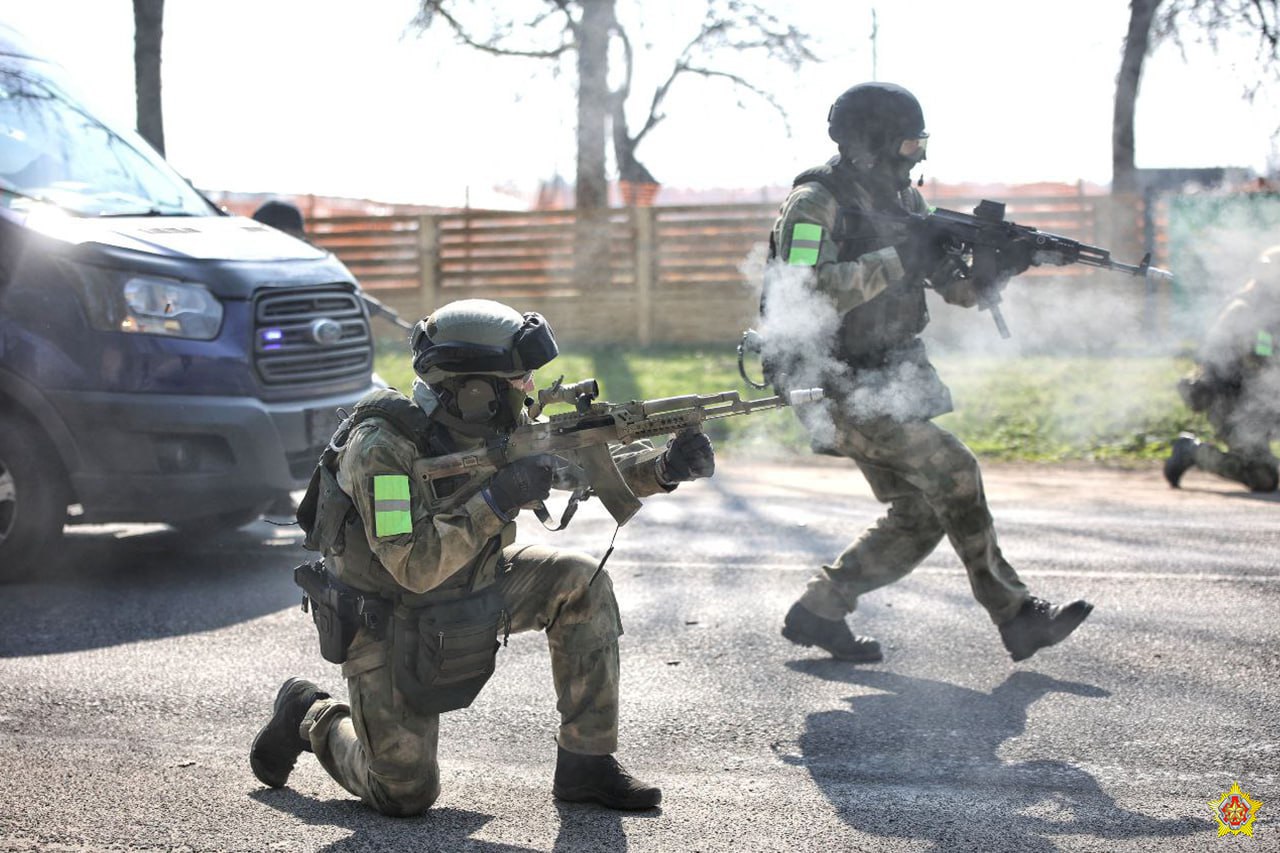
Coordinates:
[33,499]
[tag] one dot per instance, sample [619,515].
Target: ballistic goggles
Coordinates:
[914,147]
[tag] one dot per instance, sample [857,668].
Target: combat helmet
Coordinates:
[468,352]
[282,216]
[881,120]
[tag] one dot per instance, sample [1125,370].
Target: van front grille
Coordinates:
[314,336]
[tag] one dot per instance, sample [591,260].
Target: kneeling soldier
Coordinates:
[429,576]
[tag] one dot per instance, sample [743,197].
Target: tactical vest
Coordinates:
[333,527]
[442,644]
[869,333]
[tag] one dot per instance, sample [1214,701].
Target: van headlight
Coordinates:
[158,306]
[149,305]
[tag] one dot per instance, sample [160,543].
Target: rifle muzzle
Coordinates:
[804,395]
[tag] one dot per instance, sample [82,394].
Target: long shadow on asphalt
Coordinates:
[588,828]
[919,761]
[438,829]
[99,590]
[582,827]
[1263,497]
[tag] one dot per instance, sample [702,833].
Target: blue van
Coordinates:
[160,360]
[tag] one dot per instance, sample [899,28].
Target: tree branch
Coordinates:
[750,87]
[738,27]
[1207,21]
[431,9]
[570,23]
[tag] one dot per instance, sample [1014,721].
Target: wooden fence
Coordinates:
[676,274]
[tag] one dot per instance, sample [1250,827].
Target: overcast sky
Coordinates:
[334,97]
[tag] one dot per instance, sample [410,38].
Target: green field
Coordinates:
[1043,409]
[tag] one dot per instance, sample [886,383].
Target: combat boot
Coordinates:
[600,779]
[804,628]
[1182,458]
[1039,624]
[279,744]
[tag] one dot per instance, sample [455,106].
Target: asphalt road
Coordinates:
[133,677]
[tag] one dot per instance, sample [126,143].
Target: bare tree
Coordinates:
[148,30]
[729,28]
[597,21]
[1183,21]
[1137,44]
[554,28]
[550,30]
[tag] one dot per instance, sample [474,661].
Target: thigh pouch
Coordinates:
[445,651]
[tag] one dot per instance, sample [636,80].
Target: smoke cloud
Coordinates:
[1114,339]
[800,328]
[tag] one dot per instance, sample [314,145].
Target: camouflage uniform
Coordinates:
[1241,375]
[884,391]
[377,747]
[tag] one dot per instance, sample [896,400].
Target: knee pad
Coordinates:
[395,798]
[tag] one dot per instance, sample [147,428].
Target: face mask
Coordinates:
[477,401]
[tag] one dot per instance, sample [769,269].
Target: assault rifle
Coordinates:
[581,439]
[989,248]
[378,308]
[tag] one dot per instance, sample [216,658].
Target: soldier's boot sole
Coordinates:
[649,798]
[865,650]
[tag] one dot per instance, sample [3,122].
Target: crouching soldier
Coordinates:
[430,577]
[1236,382]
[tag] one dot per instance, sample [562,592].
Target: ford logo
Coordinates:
[326,332]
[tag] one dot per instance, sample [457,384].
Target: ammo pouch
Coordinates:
[445,651]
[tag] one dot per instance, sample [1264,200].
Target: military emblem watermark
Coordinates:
[1235,811]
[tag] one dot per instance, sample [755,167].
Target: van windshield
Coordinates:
[54,151]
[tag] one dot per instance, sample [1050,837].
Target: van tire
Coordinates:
[33,498]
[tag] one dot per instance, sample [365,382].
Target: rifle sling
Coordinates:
[544,515]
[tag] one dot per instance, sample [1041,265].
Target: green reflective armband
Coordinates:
[391,515]
[805,240]
[1263,347]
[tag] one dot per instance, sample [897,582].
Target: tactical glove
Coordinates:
[958,291]
[522,482]
[921,253]
[688,456]
[1196,393]
[1015,258]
